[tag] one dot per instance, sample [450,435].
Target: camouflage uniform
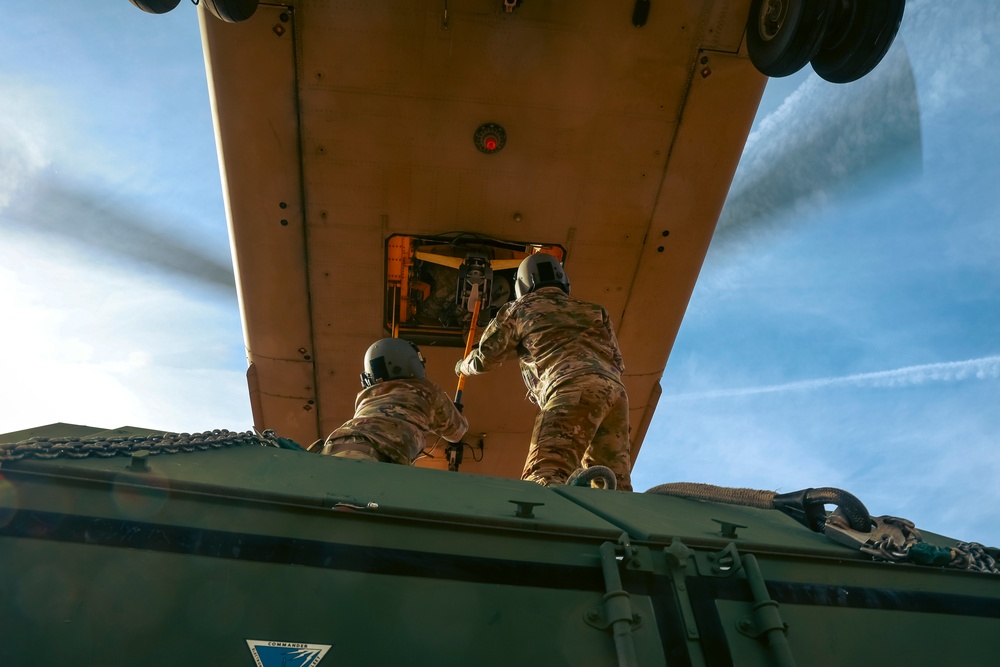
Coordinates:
[390,419]
[572,367]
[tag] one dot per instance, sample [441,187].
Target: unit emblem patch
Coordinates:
[286,654]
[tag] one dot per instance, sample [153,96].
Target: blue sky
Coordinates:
[848,338]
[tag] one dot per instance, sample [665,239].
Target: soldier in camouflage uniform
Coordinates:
[572,367]
[397,406]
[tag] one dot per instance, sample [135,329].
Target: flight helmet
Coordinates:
[540,270]
[392,359]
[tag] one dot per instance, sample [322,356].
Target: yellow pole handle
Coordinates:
[468,345]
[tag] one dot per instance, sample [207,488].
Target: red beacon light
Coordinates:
[489,138]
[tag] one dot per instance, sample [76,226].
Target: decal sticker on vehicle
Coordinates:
[286,654]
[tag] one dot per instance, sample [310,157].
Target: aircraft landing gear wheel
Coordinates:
[784,35]
[231,11]
[155,6]
[859,36]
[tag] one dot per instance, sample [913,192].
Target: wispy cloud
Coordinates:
[952,69]
[822,140]
[99,221]
[23,140]
[984,368]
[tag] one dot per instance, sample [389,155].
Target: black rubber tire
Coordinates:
[858,39]
[155,6]
[784,35]
[231,11]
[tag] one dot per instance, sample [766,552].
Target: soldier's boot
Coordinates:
[354,447]
[355,454]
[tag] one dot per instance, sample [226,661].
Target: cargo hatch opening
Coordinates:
[427,280]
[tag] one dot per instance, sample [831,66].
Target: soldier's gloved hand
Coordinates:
[458,367]
[458,406]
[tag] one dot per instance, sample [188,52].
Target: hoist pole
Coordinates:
[468,346]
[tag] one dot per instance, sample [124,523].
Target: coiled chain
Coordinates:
[107,447]
[971,556]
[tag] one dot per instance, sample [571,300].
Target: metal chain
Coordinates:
[964,555]
[895,547]
[973,556]
[106,447]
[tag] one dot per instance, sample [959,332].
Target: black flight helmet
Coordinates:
[392,359]
[540,270]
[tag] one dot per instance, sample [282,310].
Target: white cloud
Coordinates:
[24,141]
[104,347]
[928,456]
[729,447]
[954,51]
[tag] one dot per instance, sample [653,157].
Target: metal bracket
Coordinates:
[140,461]
[763,619]
[596,617]
[635,558]
[678,553]
[724,563]
[525,509]
[454,451]
[728,529]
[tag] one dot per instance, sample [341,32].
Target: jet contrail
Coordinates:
[984,368]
